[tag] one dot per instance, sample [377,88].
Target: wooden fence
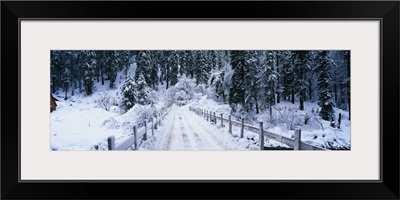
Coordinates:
[138,135]
[295,143]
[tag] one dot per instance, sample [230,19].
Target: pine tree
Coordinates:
[142,90]
[220,63]
[347,80]
[112,66]
[125,60]
[251,87]
[269,77]
[164,67]
[173,62]
[183,62]
[87,64]
[129,93]
[301,68]
[143,62]
[191,64]
[66,81]
[325,97]
[55,68]
[154,69]
[287,74]
[237,91]
[201,70]
[214,60]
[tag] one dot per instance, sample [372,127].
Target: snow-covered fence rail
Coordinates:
[138,135]
[295,143]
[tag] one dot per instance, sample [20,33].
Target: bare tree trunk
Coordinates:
[257,111]
[310,89]
[292,96]
[66,90]
[301,103]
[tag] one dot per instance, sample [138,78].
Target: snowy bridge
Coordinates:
[189,128]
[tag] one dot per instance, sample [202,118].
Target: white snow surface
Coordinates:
[318,132]
[81,123]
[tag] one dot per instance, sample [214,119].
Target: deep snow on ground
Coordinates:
[318,132]
[80,123]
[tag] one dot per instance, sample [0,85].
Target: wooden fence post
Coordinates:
[242,129]
[111,143]
[297,139]
[339,120]
[152,126]
[207,114]
[230,125]
[215,119]
[145,130]
[135,137]
[261,139]
[222,120]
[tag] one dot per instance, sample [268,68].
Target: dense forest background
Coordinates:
[248,81]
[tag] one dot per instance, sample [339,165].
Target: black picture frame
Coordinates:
[386,11]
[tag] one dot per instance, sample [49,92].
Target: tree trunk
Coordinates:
[257,111]
[310,89]
[301,103]
[98,74]
[278,97]
[292,96]
[348,83]
[336,94]
[270,112]
[349,105]
[102,76]
[167,79]
[66,90]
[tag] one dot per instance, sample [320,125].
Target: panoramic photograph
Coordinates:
[199,100]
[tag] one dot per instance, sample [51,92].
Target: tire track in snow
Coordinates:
[201,136]
[193,138]
[168,137]
[186,142]
[231,144]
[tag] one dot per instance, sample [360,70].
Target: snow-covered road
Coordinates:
[187,131]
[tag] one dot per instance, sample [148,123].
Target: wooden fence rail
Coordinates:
[138,135]
[295,143]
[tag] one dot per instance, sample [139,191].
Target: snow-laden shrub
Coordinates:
[238,112]
[289,119]
[138,113]
[201,88]
[105,101]
[153,97]
[134,116]
[217,86]
[181,98]
[181,93]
